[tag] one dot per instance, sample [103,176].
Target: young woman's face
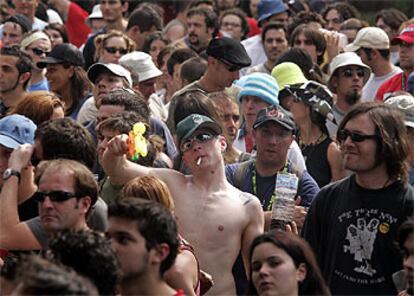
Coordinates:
[55,37]
[114,48]
[274,272]
[155,48]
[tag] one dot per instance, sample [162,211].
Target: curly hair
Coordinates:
[100,41]
[66,138]
[89,253]
[38,276]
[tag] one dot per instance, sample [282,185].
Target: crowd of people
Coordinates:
[205,147]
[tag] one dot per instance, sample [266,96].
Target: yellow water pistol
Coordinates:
[137,144]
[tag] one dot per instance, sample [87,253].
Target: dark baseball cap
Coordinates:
[186,127]
[229,51]
[63,53]
[21,20]
[276,114]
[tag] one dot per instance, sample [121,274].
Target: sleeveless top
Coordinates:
[316,159]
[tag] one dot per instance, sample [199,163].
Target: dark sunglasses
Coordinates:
[344,134]
[200,138]
[55,196]
[350,72]
[39,51]
[228,117]
[114,50]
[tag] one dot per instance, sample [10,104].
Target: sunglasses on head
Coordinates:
[39,51]
[200,138]
[344,134]
[350,72]
[114,50]
[55,196]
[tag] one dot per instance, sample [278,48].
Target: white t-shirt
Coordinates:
[374,82]
[255,50]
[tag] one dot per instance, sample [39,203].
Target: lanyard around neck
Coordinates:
[254,184]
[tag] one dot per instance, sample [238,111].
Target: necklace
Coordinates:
[319,140]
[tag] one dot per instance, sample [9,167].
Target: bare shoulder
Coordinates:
[246,199]
[169,176]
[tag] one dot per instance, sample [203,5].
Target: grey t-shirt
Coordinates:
[98,220]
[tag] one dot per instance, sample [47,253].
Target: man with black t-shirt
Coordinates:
[351,224]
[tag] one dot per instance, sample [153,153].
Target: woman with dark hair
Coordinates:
[153,45]
[310,40]
[302,58]
[311,107]
[57,33]
[66,77]
[283,264]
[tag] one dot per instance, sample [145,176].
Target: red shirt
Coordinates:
[392,85]
[254,28]
[78,31]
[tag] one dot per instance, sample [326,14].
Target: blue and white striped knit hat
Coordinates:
[260,85]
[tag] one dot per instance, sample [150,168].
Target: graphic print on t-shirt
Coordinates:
[364,235]
[361,238]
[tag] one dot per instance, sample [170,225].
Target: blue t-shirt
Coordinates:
[41,85]
[307,187]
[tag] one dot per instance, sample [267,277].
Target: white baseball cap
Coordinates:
[142,64]
[370,37]
[118,70]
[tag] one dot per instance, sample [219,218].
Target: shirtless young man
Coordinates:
[215,217]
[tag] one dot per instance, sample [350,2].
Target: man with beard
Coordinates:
[15,73]
[351,224]
[274,38]
[202,26]
[144,237]
[400,81]
[348,76]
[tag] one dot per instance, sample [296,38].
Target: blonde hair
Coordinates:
[100,41]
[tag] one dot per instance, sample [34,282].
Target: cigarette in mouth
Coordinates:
[199,161]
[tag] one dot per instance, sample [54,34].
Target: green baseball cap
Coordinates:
[186,127]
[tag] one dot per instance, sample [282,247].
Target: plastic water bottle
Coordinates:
[284,204]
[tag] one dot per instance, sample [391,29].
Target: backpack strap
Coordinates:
[241,173]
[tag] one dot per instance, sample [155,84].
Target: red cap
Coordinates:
[406,35]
